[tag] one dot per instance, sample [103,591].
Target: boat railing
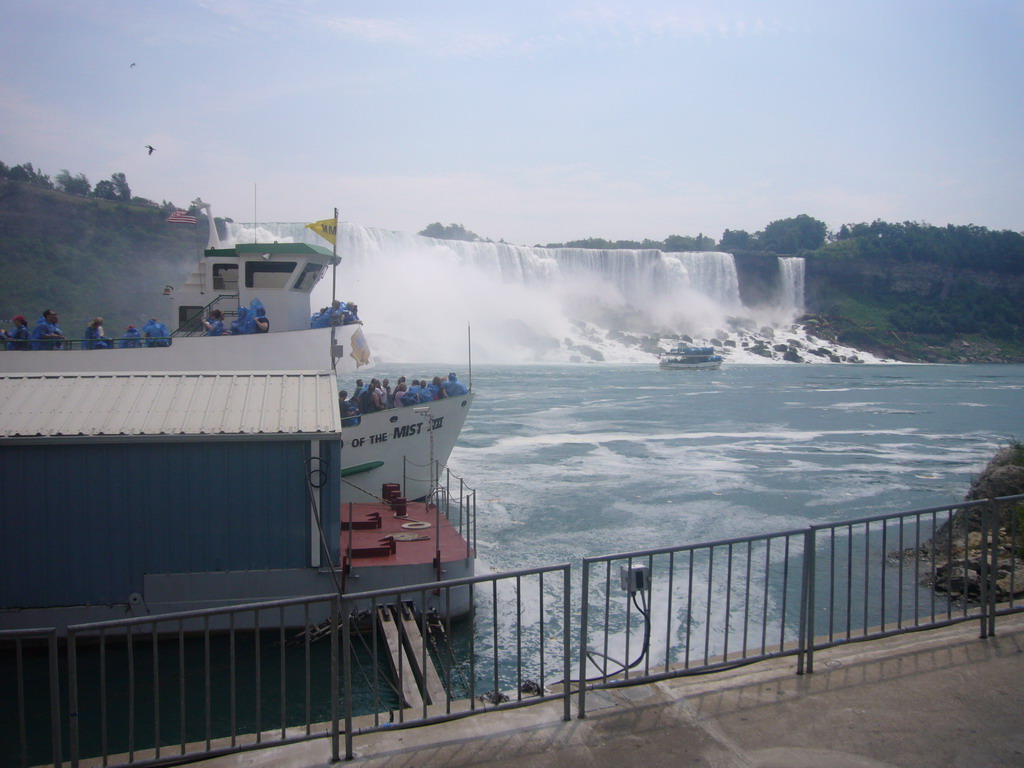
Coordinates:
[458,502]
[95,345]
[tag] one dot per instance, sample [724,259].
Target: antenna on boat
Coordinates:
[469,345]
[334,261]
[334,287]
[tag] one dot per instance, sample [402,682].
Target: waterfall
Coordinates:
[419,295]
[791,284]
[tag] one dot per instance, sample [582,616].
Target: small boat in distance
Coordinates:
[691,357]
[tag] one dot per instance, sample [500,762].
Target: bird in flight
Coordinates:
[133,64]
[150,147]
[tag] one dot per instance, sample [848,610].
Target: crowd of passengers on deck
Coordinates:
[48,334]
[253,319]
[378,395]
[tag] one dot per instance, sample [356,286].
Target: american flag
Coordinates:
[181,217]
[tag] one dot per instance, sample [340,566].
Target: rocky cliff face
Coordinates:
[962,551]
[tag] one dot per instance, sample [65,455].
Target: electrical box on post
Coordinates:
[635,578]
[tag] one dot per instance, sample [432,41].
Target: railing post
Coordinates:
[567,641]
[72,699]
[584,603]
[989,566]
[55,729]
[338,604]
[805,649]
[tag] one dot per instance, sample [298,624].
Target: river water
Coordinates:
[574,461]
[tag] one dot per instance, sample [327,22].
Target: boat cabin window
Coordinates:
[225,277]
[268,274]
[309,277]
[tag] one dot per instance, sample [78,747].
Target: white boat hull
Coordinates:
[305,350]
[682,365]
[413,445]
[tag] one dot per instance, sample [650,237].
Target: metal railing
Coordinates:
[689,608]
[170,688]
[888,574]
[166,689]
[707,607]
[475,659]
[30,676]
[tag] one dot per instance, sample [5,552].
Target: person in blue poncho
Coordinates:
[47,334]
[214,324]
[453,387]
[433,389]
[156,334]
[324,317]
[132,339]
[349,410]
[18,337]
[261,323]
[412,394]
[94,338]
[241,323]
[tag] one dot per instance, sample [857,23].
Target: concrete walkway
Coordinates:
[938,698]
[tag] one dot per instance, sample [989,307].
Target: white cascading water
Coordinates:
[791,283]
[421,296]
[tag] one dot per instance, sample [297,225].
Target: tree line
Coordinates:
[969,246]
[115,189]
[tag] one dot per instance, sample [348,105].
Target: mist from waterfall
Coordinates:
[421,297]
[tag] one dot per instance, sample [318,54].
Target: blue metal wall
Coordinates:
[82,524]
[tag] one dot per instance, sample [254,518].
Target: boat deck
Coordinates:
[379,535]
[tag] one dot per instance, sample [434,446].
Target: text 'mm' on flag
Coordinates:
[327,229]
[181,217]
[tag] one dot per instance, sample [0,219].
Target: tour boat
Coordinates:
[199,471]
[685,356]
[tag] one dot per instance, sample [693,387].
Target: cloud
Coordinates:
[693,20]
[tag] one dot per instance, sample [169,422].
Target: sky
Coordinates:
[533,121]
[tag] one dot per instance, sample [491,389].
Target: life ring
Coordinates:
[415,525]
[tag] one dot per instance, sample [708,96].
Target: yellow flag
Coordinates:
[327,229]
[360,349]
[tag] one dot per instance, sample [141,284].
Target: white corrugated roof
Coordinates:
[173,404]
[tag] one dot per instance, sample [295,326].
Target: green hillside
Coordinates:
[86,257]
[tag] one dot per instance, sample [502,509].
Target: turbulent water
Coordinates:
[424,299]
[572,461]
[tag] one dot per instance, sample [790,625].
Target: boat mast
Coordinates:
[334,261]
[335,353]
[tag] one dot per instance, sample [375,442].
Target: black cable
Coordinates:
[593,656]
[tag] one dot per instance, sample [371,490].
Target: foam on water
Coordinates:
[571,464]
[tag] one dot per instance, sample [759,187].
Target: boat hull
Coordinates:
[688,365]
[409,446]
[305,350]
